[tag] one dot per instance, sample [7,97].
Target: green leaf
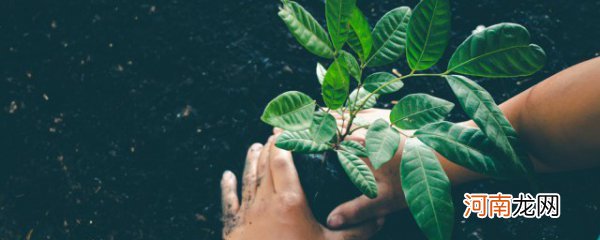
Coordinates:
[290,111]
[428,33]
[479,105]
[354,148]
[361,122]
[321,71]
[351,65]
[501,50]
[389,37]
[306,29]
[359,37]
[379,79]
[417,110]
[359,173]
[323,127]
[382,142]
[336,85]
[338,14]
[467,147]
[427,190]
[300,141]
[355,101]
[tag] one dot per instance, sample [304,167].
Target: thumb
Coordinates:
[363,231]
[355,211]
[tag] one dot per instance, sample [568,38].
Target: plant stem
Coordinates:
[356,110]
[354,130]
[396,80]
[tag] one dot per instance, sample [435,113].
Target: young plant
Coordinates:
[421,34]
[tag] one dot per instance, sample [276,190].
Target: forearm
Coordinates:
[558,120]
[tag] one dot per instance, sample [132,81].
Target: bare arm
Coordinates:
[558,119]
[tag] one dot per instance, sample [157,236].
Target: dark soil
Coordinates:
[119,117]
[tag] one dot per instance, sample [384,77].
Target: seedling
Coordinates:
[421,34]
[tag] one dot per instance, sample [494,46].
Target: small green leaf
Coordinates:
[321,71]
[336,85]
[417,110]
[428,33]
[354,148]
[359,173]
[467,147]
[361,122]
[306,29]
[338,14]
[479,105]
[355,101]
[351,65]
[376,80]
[389,37]
[323,127]
[359,37]
[291,111]
[427,190]
[300,141]
[501,50]
[382,142]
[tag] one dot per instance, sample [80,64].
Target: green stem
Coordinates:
[396,80]
[354,130]
[362,104]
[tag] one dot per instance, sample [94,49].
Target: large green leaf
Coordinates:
[379,79]
[306,29]
[427,190]
[323,127]
[358,96]
[351,65]
[465,146]
[480,106]
[291,111]
[338,14]
[321,71]
[300,141]
[389,37]
[382,142]
[428,33]
[501,50]
[354,148]
[417,110]
[336,85]
[359,173]
[359,37]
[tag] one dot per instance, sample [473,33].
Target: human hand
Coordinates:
[390,196]
[273,204]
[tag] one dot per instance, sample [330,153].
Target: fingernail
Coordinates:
[227,174]
[335,221]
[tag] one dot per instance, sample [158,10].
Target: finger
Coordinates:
[358,210]
[265,183]
[229,199]
[277,131]
[285,176]
[250,173]
[362,231]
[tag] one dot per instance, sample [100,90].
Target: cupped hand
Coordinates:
[273,204]
[390,197]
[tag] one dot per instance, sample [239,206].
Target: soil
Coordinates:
[119,117]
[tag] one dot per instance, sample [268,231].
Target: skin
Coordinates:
[558,120]
[273,204]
